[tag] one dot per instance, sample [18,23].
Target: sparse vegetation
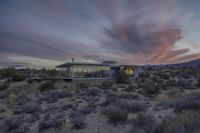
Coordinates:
[186,122]
[161,100]
[186,104]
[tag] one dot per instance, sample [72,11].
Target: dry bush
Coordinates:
[109,100]
[106,85]
[48,85]
[131,88]
[130,96]
[83,85]
[7,73]
[93,91]
[150,88]
[185,122]
[18,77]
[122,78]
[186,104]
[5,85]
[29,81]
[115,114]
[77,120]
[130,106]
[144,123]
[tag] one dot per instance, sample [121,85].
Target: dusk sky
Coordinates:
[50,32]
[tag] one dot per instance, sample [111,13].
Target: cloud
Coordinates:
[130,31]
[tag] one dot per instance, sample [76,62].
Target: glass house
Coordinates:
[104,70]
[86,71]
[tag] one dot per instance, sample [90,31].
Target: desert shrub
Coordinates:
[115,114]
[144,123]
[129,106]
[144,75]
[185,122]
[83,85]
[106,84]
[6,73]
[77,120]
[150,88]
[110,99]
[186,104]
[29,81]
[131,87]
[130,96]
[93,91]
[18,77]
[171,82]
[198,82]
[164,76]
[138,106]
[5,85]
[12,98]
[122,78]
[48,85]
[53,72]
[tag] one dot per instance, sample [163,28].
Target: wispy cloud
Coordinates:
[129,31]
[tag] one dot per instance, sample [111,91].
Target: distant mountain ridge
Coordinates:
[191,63]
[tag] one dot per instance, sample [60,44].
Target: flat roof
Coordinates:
[81,64]
[118,66]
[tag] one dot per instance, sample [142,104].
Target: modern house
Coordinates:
[106,70]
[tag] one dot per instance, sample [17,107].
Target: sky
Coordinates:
[51,32]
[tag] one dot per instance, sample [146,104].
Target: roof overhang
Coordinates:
[80,64]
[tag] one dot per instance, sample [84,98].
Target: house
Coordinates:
[106,70]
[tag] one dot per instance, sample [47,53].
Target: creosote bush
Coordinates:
[7,73]
[18,77]
[185,122]
[5,85]
[48,85]
[186,104]
[93,91]
[77,120]
[130,106]
[83,85]
[144,123]
[122,78]
[29,81]
[106,85]
[115,114]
